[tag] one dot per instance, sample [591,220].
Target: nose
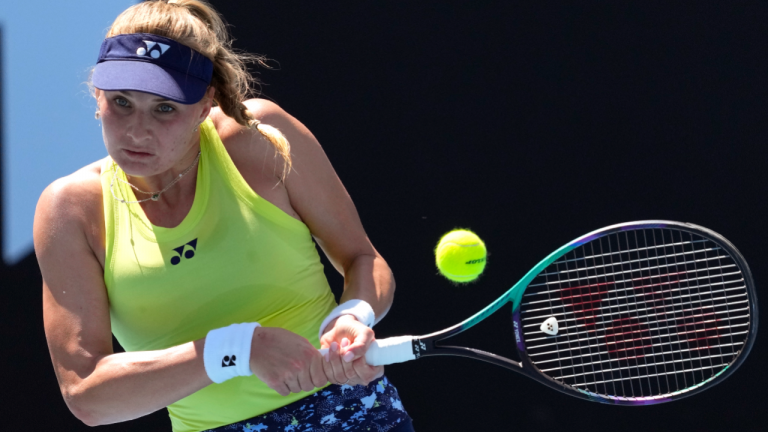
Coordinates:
[139,127]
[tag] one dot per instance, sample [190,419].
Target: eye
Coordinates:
[166,108]
[121,102]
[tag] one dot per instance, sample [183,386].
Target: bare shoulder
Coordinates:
[235,135]
[245,145]
[256,158]
[312,192]
[238,138]
[79,191]
[71,207]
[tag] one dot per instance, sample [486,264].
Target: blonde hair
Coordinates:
[196,24]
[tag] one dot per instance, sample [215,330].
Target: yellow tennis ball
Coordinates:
[460,256]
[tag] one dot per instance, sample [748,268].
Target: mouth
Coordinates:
[137,154]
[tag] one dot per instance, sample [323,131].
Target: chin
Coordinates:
[135,167]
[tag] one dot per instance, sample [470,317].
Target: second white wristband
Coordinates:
[360,309]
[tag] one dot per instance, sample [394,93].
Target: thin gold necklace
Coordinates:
[155,195]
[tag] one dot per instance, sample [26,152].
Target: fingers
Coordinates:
[358,347]
[349,370]
[365,372]
[305,379]
[352,373]
[292,382]
[317,372]
[328,368]
[348,340]
[338,374]
[281,388]
[286,362]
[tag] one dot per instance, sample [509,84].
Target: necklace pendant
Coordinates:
[155,197]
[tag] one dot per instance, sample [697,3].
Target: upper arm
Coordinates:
[75,304]
[316,192]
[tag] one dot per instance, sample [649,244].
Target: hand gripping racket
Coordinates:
[632,314]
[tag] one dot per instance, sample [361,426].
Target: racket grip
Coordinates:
[396,349]
[382,352]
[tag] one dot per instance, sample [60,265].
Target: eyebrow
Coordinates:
[130,93]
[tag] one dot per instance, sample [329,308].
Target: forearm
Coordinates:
[369,278]
[125,386]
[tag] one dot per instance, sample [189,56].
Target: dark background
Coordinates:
[529,123]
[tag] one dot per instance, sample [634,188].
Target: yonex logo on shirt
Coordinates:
[159,49]
[189,254]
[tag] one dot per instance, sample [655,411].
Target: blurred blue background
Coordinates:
[48,50]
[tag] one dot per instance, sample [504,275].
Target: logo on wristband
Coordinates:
[228,361]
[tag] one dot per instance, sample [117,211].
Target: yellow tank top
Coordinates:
[234,258]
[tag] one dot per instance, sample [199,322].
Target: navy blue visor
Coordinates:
[152,64]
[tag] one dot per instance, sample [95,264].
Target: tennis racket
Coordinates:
[631,314]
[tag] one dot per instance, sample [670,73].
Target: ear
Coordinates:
[207,104]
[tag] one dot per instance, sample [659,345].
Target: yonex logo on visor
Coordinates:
[161,49]
[153,64]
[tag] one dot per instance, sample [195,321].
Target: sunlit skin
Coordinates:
[151,138]
[154,140]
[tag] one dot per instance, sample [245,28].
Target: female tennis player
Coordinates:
[193,243]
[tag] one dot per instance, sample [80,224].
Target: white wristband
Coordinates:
[227,351]
[360,309]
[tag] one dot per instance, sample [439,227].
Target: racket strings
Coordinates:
[651,302]
[642,314]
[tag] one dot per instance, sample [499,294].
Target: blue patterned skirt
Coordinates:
[375,407]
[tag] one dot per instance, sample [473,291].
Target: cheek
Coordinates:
[113,133]
[108,130]
[175,137]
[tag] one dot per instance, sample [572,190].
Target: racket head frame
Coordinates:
[428,345]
